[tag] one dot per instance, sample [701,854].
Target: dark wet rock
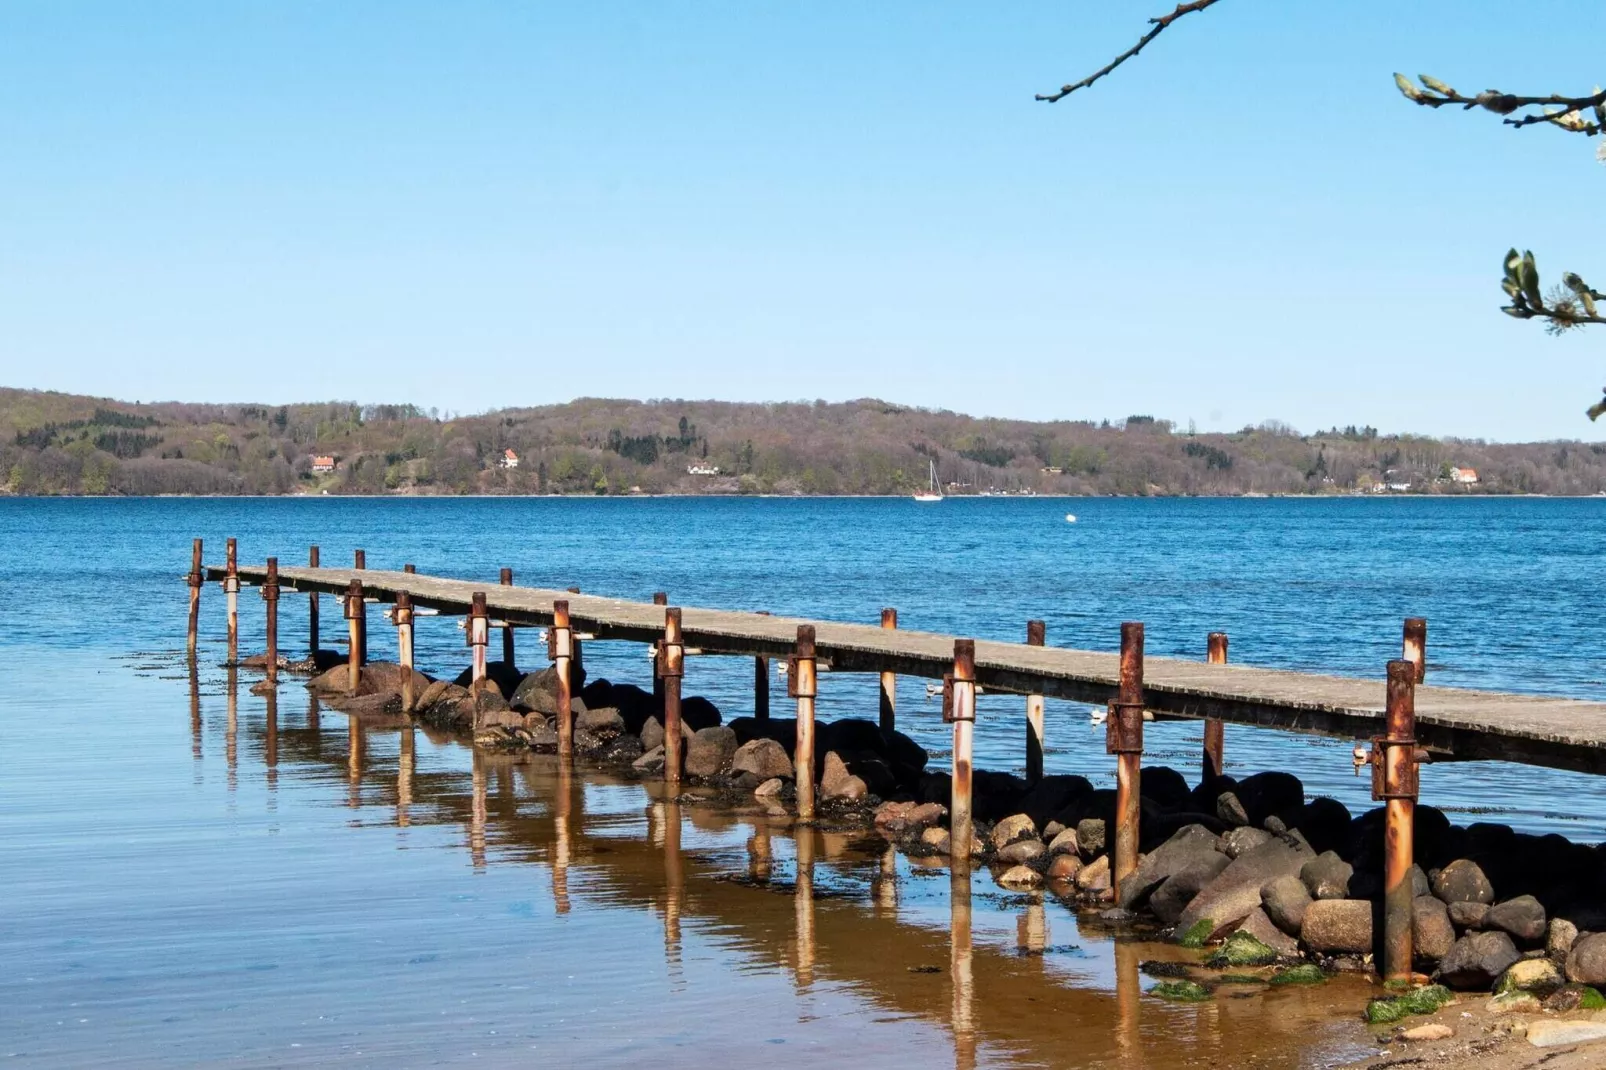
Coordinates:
[539,732]
[1285,900]
[652,733]
[1523,918]
[1095,876]
[1327,876]
[1586,960]
[1063,867]
[1064,842]
[1274,825]
[508,679]
[1051,830]
[1229,898]
[651,761]
[997,795]
[902,819]
[837,783]
[1419,882]
[1575,997]
[871,768]
[764,758]
[770,788]
[1468,915]
[1338,926]
[1475,961]
[369,705]
[622,750]
[709,750]
[1260,926]
[1432,935]
[423,700]
[1052,795]
[1019,877]
[503,718]
[1325,824]
[1090,837]
[1156,829]
[1463,881]
[1012,828]
[907,758]
[1178,890]
[488,700]
[1022,852]
[537,692]
[335,681]
[697,713]
[1239,840]
[1165,786]
[1560,935]
[1179,852]
[605,722]
[1272,793]
[634,705]
[1230,809]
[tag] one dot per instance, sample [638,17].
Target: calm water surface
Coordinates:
[195,874]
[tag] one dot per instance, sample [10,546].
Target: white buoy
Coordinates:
[1070,518]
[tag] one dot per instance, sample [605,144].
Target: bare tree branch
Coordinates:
[1158,24]
[1554,109]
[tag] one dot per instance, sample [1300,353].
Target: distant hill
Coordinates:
[67,444]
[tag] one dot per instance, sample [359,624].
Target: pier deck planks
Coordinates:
[1452,722]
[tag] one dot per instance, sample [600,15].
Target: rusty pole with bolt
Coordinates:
[960,709]
[1124,739]
[559,645]
[194,580]
[1215,735]
[505,578]
[356,609]
[479,635]
[671,667]
[1036,635]
[409,568]
[1395,783]
[270,596]
[659,598]
[231,587]
[313,639]
[761,684]
[802,683]
[402,615]
[360,562]
[889,681]
[1414,646]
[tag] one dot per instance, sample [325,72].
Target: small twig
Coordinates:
[1159,25]
[1435,94]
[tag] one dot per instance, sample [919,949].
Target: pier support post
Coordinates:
[1394,782]
[231,587]
[505,578]
[671,667]
[270,596]
[560,647]
[1215,736]
[1414,647]
[479,635]
[403,616]
[761,683]
[361,563]
[195,581]
[659,598]
[1036,635]
[802,684]
[889,682]
[356,609]
[409,568]
[960,709]
[312,609]
[1124,739]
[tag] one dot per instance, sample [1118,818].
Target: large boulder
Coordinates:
[1327,876]
[837,783]
[1243,839]
[897,820]
[1181,851]
[763,758]
[1090,836]
[1229,898]
[1432,935]
[1476,960]
[1560,936]
[1285,900]
[1522,917]
[1463,881]
[652,733]
[698,713]
[709,750]
[1586,960]
[536,692]
[1171,898]
[1012,828]
[604,723]
[1272,794]
[1052,795]
[633,704]
[507,678]
[1338,926]
[1260,926]
[1538,977]
[1468,915]
[1021,852]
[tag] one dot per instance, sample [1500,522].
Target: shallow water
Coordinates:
[195,875]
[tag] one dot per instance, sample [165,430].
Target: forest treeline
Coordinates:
[54,443]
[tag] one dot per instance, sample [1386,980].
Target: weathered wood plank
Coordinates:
[1459,723]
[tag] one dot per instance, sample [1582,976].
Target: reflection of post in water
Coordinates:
[760,853]
[314,723]
[195,708]
[960,972]
[476,824]
[884,889]
[1128,995]
[674,885]
[405,765]
[271,748]
[803,903]
[1031,928]
[231,733]
[356,753]
[560,847]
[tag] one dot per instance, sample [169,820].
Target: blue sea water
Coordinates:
[180,889]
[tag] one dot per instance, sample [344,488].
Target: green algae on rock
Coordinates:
[1181,991]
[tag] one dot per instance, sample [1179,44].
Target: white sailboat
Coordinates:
[934,493]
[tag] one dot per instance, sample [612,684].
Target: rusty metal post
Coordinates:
[577,656]
[1036,635]
[1124,739]
[231,586]
[659,598]
[802,684]
[1394,782]
[1215,735]
[479,635]
[195,581]
[356,609]
[506,580]
[559,640]
[361,563]
[671,666]
[360,560]
[270,596]
[1414,648]
[761,684]
[889,681]
[313,638]
[402,615]
[959,709]
[410,568]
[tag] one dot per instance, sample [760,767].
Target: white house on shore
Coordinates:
[1464,475]
[509,459]
[323,464]
[702,470]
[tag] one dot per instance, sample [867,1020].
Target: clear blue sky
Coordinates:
[472,205]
